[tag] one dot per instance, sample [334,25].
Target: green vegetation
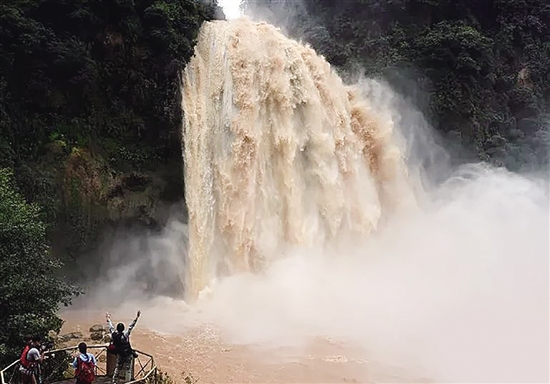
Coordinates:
[163,378]
[90,110]
[30,291]
[478,69]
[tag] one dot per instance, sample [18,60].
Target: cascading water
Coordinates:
[278,151]
[287,170]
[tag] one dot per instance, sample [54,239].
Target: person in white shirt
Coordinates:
[29,361]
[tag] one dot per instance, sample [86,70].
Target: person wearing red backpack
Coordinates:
[85,366]
[30,358]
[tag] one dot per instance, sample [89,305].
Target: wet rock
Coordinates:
[97,328]
[96,335]
[76,335]
[52,335]
[65,338]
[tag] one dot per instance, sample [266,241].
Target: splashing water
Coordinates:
[292,173]
[278,152]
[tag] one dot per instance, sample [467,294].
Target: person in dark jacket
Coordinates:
[121,340]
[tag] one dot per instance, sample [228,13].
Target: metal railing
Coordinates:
[143,367]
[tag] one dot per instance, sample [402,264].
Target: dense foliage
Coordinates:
[479,69]
[90,110]
[30,291]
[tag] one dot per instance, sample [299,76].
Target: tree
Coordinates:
[99,79]
[30,289]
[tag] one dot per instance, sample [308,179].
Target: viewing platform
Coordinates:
[57,367]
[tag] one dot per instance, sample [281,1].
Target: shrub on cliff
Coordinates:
[30,289]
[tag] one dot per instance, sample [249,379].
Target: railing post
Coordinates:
[146,373]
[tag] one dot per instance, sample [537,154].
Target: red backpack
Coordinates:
[85,370]
[23,359]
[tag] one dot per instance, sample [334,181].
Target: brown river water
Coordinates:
[201,352]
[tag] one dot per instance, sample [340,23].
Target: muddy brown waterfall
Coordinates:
[278,152]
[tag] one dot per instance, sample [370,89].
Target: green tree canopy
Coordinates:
[92,87]
[30,290]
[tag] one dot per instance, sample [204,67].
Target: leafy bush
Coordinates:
[30,289]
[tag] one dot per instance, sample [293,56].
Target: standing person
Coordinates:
[121,341]
[85,365]
[24,364]
[30,360]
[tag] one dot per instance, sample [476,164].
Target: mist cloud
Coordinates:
[456,291]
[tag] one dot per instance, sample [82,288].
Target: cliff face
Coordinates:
[95,199]
[90,110]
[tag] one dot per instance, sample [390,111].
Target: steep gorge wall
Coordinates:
[90,114]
